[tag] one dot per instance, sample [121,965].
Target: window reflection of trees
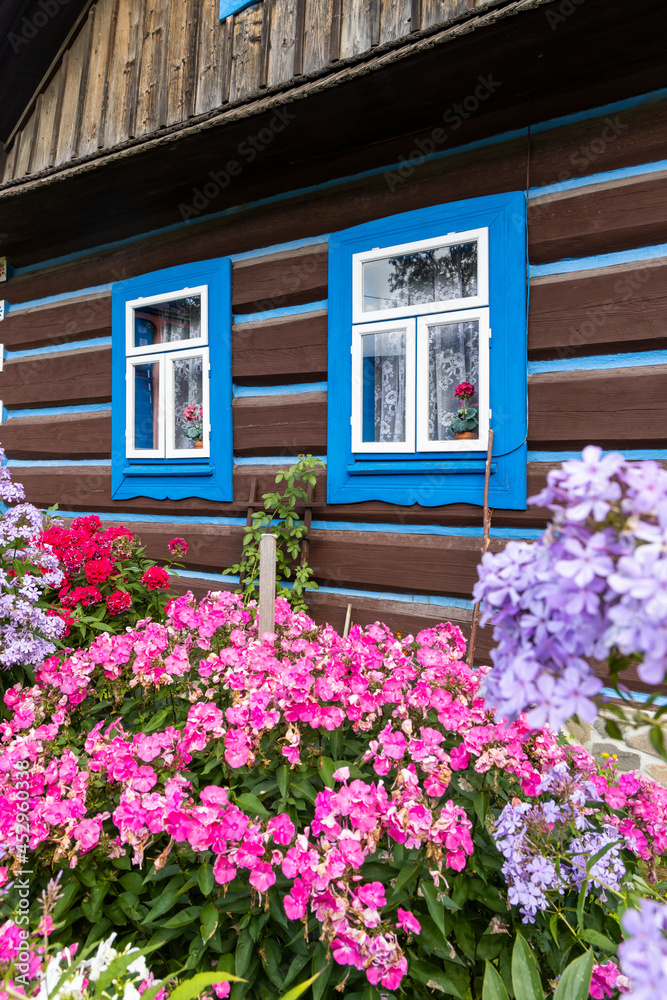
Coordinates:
[434,275]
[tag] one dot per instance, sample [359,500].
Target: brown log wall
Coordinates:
[600,311]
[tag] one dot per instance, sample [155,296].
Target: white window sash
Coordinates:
[383,447]
[171,451]
[130,450]
[441,319]
[151,300]
[479,236]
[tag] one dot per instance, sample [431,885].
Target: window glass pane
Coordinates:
[188,403]
[166,322]
[146,398]
[416,278]
[383,375]
[453,360]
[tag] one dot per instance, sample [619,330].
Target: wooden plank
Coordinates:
[265,41]
[213,58]
[122,73]
[25,140]
[299,37]
[33,145]
[617,408]
[9,168]
[245,68]
[441,11]
[88,29]
[82,436]
[395,19]
[317,36]
[44,139]
[73,96]
[107,60]
[433,564]
[356,28]
[57,324]
[607,142]
[150,86]
[281,50]
[82,376]
[288,346]
[282,280]
[280,425]
[617,308]
[620,215]
[93,90]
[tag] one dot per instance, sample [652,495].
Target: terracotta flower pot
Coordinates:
[199,444]
[465,435]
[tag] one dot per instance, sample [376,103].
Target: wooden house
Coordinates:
[314,219]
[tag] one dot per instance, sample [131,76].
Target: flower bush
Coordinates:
[316,803]
[594,586]
[28,632]
[108,583]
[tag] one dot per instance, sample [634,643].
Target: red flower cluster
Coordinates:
[464,390]
[118,602]
[156,577]
[178,546]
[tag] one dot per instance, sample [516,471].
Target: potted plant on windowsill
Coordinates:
[465,423]
[194,424]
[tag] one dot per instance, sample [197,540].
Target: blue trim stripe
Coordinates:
[426,529]
[458,603]
[55,463]
[270,314]
[189,574]
[639,696]
[636,359]
[241,391]
[632,454]
[281,460]
[572,264]
[548,124]
[54,411]
[309,241]
[609,175]
[80,293]
[418,529]
[74,345]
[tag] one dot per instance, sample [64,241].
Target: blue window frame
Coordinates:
[229,7]
[417,302]
[171,384]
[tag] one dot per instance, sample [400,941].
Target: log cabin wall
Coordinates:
[597,351]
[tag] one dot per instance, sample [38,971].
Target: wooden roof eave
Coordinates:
[323,79]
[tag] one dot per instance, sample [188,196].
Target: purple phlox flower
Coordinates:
[586,561]
[643,953]
[648,486]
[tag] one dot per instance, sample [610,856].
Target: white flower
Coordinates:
[102,959]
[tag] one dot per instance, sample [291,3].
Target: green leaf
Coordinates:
[553,927]
[405,877]
[297,991]
[525,975]
[424,972]
[435,907]
[481,805]
[184,917]
[282,777]
[209,921]
[251,804]
[494,988]
[612,729]
[244,949]
[327,768]
[206,879]
[657,740]
[599,940]
[575,983]
[193,987]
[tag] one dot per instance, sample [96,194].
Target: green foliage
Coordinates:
[574,984]
[467,419]
[280,518]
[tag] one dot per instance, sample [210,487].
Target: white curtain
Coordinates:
[453,357]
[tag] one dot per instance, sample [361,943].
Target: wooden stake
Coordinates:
[348,621]
[485,544]
[267,584]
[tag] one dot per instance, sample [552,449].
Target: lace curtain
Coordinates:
[187,392]
[453,357]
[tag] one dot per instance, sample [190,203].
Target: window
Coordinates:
[427,351]
[171,409]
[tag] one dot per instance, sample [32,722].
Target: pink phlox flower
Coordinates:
[281,829]
[408,922]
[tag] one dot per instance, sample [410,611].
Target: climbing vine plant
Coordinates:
[281,518]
